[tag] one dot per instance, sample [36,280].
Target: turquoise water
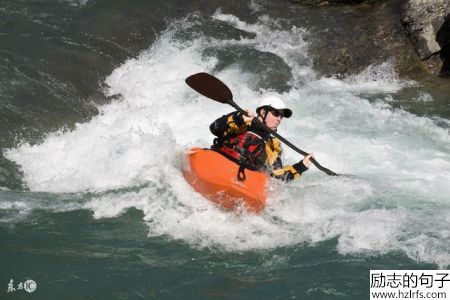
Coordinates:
[93,204]
[79,257]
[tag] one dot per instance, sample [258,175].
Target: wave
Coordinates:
[129,155]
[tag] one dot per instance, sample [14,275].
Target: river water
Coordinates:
[95,116]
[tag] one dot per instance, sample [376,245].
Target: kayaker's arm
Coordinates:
[230,124]
[288,173]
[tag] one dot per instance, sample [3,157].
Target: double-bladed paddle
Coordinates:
[211,87]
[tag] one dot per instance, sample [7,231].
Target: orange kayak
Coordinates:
[215,177]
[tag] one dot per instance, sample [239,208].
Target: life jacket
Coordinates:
[247,149]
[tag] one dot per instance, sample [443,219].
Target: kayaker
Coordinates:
[242,140]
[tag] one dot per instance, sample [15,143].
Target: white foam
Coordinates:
[129,155]
[374,79]
[77,3]
[270,37]
[424,97]
[18,206]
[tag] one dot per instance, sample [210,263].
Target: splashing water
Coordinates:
[129,155]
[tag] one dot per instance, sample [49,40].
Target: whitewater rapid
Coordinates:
[129,155]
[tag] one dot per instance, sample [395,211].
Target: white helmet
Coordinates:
[273,101]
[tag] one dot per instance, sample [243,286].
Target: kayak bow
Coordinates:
[215,177]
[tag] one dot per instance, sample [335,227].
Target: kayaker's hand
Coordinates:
[307,160]
[249,118]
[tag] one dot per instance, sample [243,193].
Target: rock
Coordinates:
[360,35]
[422,19]
[443,39]
[364,32]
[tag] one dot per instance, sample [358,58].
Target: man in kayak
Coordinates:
[244,141]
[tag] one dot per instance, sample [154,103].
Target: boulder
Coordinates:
[357,36]
[443,39]
[422,20]
[368,32]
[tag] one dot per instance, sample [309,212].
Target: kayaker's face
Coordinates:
[273,119]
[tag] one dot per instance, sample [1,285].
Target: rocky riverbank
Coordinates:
[415,34]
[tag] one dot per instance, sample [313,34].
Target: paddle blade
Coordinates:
[209,86]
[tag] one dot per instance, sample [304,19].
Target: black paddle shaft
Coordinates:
[292,146]
[211,87]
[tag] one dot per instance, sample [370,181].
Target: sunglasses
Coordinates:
[277,113]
